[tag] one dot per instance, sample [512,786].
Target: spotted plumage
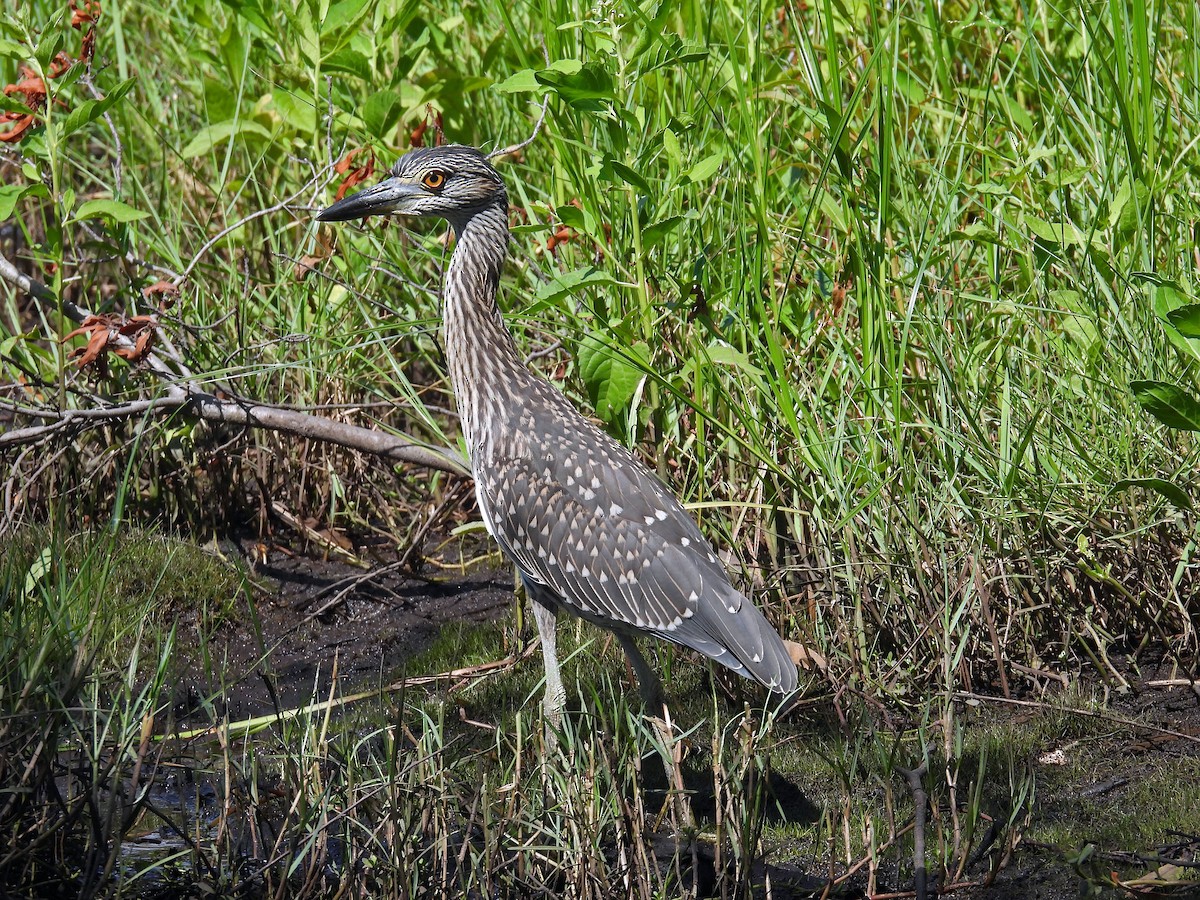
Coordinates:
[590,529]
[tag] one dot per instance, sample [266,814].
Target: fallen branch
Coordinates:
[185,395]
[459,676]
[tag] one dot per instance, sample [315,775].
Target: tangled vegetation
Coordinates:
[901,300]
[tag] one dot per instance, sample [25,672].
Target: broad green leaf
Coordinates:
[342,14]
[578,219]
[10,194]
[1168,296]
[581,89]
[11,104]
[654,234]
[112,209]
[611,374]
[296,111]
[630,176]
[350,61]
[1129,206]
[724,355]
[566,66]
[570,281]
[706,168]
[1171,491]
[1057,233]
[208,137]
[90,110]
[521,82]
[977,233]
[1169,403]
[1186,320]
[381,112]
[671,145]
[38,570]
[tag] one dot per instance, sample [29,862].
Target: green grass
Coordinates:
[879,292]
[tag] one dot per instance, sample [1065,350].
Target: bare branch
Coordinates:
[183,393]
[529,140]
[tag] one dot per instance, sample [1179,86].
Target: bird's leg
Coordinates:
[556,695]
[651,688]
[649,684]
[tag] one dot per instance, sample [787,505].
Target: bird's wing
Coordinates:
[586,519]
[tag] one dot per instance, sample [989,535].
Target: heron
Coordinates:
[590,530]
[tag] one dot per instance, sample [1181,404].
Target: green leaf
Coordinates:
[113,209]
[571,281]
[630,176]
[611,374]
[349,61]
[296,111]
[208,137]
[581,89]
[38,570]
[1168,296]
[342,14]
[977,233]
[521,82]
[723,354]
[572,217]
[1169,403]
[10,194]
[1058,233]
[90,110]
[706,168]
[671,145]
[654,234]
[1186,320]
[1168,489]
[381,112]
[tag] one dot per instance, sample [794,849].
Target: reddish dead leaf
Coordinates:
[165,291]
[85,14]
[103,331]
[305,267]
[31,87]
[439,136]
[355,175]
[141,347]
[60,64]
[90,353]
[561,235]
[87,48]
[416,137]
[135,324]
[15,125]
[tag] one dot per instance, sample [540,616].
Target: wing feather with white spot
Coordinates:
[586,519]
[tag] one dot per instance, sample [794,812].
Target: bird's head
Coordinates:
[452,182]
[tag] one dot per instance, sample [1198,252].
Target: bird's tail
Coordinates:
[735,633]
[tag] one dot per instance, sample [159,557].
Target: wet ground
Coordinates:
[312,611]
[373,622]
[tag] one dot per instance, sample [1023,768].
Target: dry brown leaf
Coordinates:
[805,657]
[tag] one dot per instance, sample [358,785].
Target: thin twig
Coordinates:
[257,214]
[515,148]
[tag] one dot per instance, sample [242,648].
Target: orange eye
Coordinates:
[434,180]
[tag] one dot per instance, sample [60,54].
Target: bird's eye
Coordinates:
[434,180]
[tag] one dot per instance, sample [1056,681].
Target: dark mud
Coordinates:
[310,612]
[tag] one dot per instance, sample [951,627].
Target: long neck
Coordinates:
[482,358]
